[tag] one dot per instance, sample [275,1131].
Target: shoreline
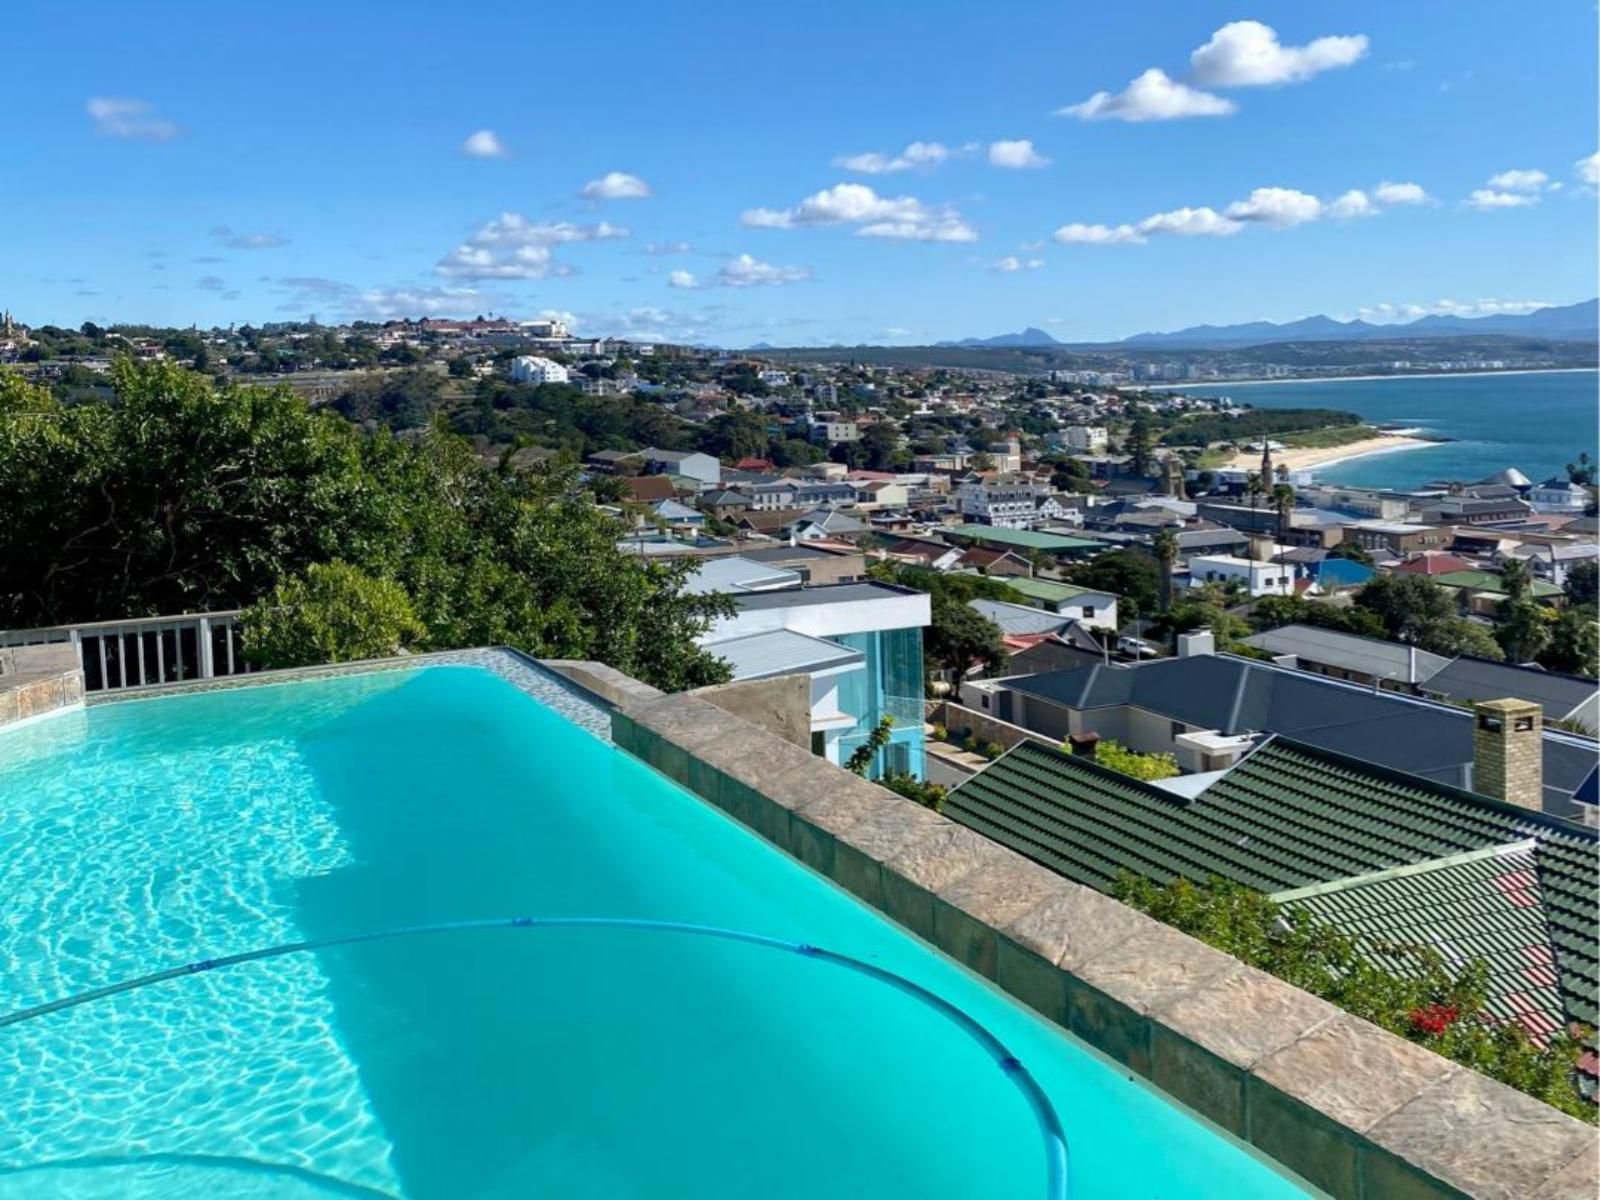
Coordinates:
[1319,458]
[1220,383]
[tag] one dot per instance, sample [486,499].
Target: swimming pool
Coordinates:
[140,835]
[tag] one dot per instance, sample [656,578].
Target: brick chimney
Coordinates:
[1508,751]
[1084,744]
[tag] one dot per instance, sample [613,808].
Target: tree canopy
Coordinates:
[184,495]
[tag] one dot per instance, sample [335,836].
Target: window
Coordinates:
[819,743]
[1179,728]
[1088,611]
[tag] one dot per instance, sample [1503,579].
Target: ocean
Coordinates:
[1537,422]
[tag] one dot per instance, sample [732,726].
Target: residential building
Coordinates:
[533,369]
[833,432]
[1095,609]
[1562,698]
[1394,860]
[1398,538]
[1370,661]
[1056,544]
[1557,495]
[1257,578]
[1151,706]
[1006,503]
[827,524]
[869,665]
[703,468]
[1089,439]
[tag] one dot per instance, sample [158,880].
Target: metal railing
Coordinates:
[142,652]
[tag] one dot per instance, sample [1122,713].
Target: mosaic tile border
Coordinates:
[525,674]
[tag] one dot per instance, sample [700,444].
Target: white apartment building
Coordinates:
[1259,578]
[1006,504]
[1091,438]
[545,327]
[536,370]
[774,378]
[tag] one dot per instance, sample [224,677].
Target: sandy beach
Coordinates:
[1311,458]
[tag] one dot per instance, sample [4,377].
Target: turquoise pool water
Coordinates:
[145,834]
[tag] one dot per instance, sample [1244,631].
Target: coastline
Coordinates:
[1320,457]
[1220,383]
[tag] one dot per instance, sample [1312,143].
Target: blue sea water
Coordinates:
[141,835]
[1537,421]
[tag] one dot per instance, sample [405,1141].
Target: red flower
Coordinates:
[1434,1019]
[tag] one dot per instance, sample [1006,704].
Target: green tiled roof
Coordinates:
[1286,817]
[1047,590]
[1488,581]
[1029,539]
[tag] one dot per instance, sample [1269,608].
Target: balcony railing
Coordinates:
[118,655]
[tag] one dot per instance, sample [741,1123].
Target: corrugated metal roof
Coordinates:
[1019,618]
[1287,816]
[782,652]
[1369,656]
[1479,679]
[738,574]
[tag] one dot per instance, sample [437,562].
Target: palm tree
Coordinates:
[1166,548]
[1254,487]
[1283,501]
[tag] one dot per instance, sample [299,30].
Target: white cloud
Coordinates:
[513,247]
[649,324]
[682,279]
[1354,203]
[211,283]
[659,248]
[1401,193]
[1011,263]
[1488,199]
[917,154]
[1153,96]
[1385,313]
[615,185]
[134,120]
[1588,169]
[1018,154]
[901,217]
[483,144]
[746,271]
[1190,222]
[1248,54]
[1278,207]
[1079,234]
[1519,181]
[235,240]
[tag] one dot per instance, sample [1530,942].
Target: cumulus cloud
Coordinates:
[1278,207]
[1079,234]
[1153,96]
[483,144]
[1011,263]
[1354,203]
[660,248]
[1274,207]
[236,240]
[1386,312]
[900,217]
[1490,199]
[1401,193]
[1588,169]
[211,283]
[134,120]
[615,185]
[649,324]
[385,303]
[1248,54]
[1018,155]
[1519,181]
[917,154]
[513,247]
[741,271]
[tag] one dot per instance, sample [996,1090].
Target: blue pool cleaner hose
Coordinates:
[1055,1138]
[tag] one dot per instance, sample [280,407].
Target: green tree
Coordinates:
[1354,551]
[1457,635]
[1581,472]
[1406,604]
[1165,545]
[1523,631]
[1129,574]
[1575,642]
[1583,583]
[329,613]
[1282,496]
[961,636]
[861,758]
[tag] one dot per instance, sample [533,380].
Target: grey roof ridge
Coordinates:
[1525,845]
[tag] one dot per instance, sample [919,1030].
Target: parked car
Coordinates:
[1137,648]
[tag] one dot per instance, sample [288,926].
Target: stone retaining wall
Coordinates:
[35,680]
[1346,1105]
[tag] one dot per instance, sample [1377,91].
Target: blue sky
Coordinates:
[747,168]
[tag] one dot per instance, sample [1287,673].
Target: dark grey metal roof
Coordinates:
[1369,656]
[1236,695]
[1479,679]
[834,593]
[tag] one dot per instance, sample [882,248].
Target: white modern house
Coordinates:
[861,644]
[1258,578]
[703,468]
[1557,495]
[1091,438]
[531,368]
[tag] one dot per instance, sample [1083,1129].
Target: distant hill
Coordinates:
[1028,337]
[1581,321]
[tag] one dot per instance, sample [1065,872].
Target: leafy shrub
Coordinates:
[330,612]
[1427,1003]
[1112,754]
[993,750]
[929,795]
[940,733]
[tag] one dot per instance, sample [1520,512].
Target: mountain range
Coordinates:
[1570,321]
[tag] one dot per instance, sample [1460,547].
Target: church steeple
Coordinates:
[1267,477]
